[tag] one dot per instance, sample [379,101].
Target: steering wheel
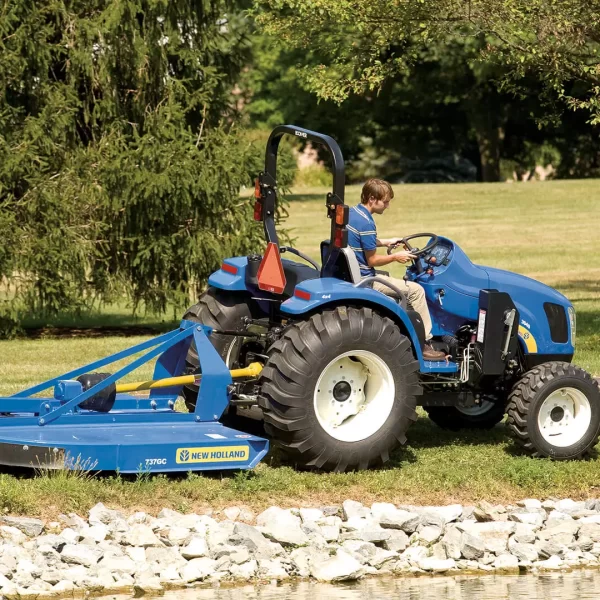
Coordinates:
[416,251]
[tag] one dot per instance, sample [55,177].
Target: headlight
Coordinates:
[572,323]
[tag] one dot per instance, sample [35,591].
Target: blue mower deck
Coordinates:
[137,434]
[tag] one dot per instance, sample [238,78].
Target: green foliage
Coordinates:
[368,42]
[419,78]
[119,162]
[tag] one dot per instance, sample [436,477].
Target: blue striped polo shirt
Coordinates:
[362,235]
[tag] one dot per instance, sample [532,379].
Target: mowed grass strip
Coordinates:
[545,230]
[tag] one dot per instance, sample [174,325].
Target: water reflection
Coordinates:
[579,585]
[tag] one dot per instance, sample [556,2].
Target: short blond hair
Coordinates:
[376,188]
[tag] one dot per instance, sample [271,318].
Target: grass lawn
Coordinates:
[549,231]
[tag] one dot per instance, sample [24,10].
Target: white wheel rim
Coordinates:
[363,399]
[477,409]
[564,417]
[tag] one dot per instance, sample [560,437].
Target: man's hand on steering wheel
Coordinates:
[403,257]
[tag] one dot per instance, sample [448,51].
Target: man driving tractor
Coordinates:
[375,198]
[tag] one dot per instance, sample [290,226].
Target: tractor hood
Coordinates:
[524,289]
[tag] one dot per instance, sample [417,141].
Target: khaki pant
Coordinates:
[415,294]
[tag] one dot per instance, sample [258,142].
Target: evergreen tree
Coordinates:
[120,167]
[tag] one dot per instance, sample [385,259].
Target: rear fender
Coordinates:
[318,294]
[231,276]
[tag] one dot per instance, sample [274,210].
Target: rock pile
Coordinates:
[110,552]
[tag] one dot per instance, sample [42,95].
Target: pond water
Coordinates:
[577,585]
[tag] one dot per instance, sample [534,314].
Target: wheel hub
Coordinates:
[557,413]
[564,417]
[342,390]
[354,385]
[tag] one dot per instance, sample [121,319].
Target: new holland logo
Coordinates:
[213,454]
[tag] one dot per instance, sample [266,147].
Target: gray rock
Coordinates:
[78,554]
[351,508]
[583,543]
[119,564]
[196,548]
[413,554]
[232,513]
[141,535]
[310,515]
[438,551]
[447,514]
[282,526]
[254,541]
[547,549]
[525,533]
[471,547]
[494,534]
[568,505]
[30,527]
[331,533]
[244,571]
[452,543]
[563,533]
[362,551]
[590,530]
[341,567]
[506,562]
[524,552]
[429,534]
[381,558]
[397,541]
[529,518]
[552,564]
[100,514]
[436,565]
[400,519]
[271,569]
[12,534]
[197,569]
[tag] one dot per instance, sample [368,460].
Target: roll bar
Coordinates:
[266,190]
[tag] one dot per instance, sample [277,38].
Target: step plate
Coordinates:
[131,447]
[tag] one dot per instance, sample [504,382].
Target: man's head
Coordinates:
[376,195]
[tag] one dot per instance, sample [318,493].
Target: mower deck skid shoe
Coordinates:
[131,434]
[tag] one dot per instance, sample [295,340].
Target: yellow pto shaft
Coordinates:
[253,370]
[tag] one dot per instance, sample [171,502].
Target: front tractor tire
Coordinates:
[339,390]
[554,411]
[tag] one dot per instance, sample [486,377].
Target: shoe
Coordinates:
[430,353]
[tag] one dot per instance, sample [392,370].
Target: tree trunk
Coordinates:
[484,121]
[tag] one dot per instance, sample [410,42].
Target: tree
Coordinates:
[370,41]
[119,164]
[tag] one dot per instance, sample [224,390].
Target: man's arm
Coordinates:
[386,243]
[375,260]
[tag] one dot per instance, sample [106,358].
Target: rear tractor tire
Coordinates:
[483,416]
[339,390]
[554,411]
[221,310]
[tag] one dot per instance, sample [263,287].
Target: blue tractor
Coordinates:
[343,367]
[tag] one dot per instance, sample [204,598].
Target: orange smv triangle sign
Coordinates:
[271,277]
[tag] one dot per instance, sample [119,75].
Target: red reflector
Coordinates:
[338,240]
[339,214]
[229,269]
[302,294]
[271,277]
[258,210]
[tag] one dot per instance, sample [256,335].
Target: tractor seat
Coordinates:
[347,267]
[296,273]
